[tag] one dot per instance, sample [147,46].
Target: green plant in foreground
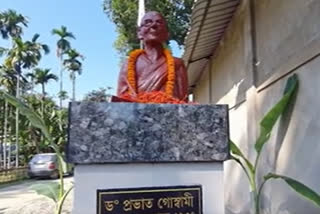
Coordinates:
[266,125]
[54,191]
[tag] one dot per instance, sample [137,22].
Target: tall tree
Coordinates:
[63,95]
[125,13]
[7,82]
[63,45]
[74,66]
[11,24]
[42,77]
[23,55]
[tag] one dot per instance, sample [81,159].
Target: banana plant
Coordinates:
[266,126]
[53,191]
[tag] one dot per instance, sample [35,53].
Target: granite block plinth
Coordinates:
[132,132]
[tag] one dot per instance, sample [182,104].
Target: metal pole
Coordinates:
[141,12]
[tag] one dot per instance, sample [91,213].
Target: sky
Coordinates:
[94,32]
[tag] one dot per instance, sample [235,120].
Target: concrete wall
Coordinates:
[286,40]
[89,178]
[202,92]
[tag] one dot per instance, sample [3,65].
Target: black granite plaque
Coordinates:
[133,132]
[151,200]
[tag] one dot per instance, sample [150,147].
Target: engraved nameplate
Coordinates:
[151,200]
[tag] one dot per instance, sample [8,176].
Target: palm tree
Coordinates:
[37,47]
[7,82]
[11,24]
[63,95]
[23,55]
[63,45]
[42,77]
[74,66]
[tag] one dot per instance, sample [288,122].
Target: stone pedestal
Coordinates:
[129,145]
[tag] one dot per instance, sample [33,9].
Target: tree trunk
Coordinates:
[10,134]
[73,87]
[17,120]
[5,134]
[1,138]
[43,99]
[42,115]
[61,80]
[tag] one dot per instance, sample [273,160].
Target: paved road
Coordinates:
[20,199]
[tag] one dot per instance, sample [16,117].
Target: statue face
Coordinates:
[153,28]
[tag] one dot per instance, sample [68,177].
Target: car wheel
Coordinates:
[71,173]
[54,174]
[30,176]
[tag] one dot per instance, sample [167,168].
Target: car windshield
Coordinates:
[43,158]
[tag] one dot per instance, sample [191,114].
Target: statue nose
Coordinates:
[155,27]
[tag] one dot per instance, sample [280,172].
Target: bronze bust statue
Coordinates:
[153,68]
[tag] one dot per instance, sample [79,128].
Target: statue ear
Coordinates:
[139,35]
[168,35]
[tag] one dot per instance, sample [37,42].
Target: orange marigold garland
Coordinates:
[132,70]
[171,73]
[154,96]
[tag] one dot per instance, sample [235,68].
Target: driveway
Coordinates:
[19,198]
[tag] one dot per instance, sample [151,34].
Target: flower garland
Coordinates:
[132,71]
[152,97]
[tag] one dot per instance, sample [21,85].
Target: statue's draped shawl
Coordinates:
[152,76]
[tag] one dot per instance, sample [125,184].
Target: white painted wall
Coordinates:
[288,41]
[89,178]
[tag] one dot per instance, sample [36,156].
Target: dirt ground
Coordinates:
[20,199]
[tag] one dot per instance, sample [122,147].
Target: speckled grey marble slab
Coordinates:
[132,132]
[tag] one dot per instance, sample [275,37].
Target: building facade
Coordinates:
[260,47]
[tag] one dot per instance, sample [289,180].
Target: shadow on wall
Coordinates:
[283,129]
[237,197]
[241,93]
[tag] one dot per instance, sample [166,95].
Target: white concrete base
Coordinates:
[89,178]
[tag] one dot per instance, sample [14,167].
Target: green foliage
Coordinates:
[298,187]
[63,95]
[38,122]
[25,110]
[25,54]
[62,199]
[125,14]
[33,122]
[236,151]
[63,45]
[266,126]
[42,77]
[99,95]
[50,190]
[74,66]
[272,116]
[11,24]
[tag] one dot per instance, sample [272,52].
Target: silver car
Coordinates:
[44,165]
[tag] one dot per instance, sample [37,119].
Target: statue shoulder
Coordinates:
[124,65]
[179,63]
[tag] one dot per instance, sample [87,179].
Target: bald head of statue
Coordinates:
[153,28]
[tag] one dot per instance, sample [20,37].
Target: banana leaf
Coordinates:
[272,116]
[297,186]
[50,190]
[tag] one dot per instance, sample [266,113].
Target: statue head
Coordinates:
[153,28]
